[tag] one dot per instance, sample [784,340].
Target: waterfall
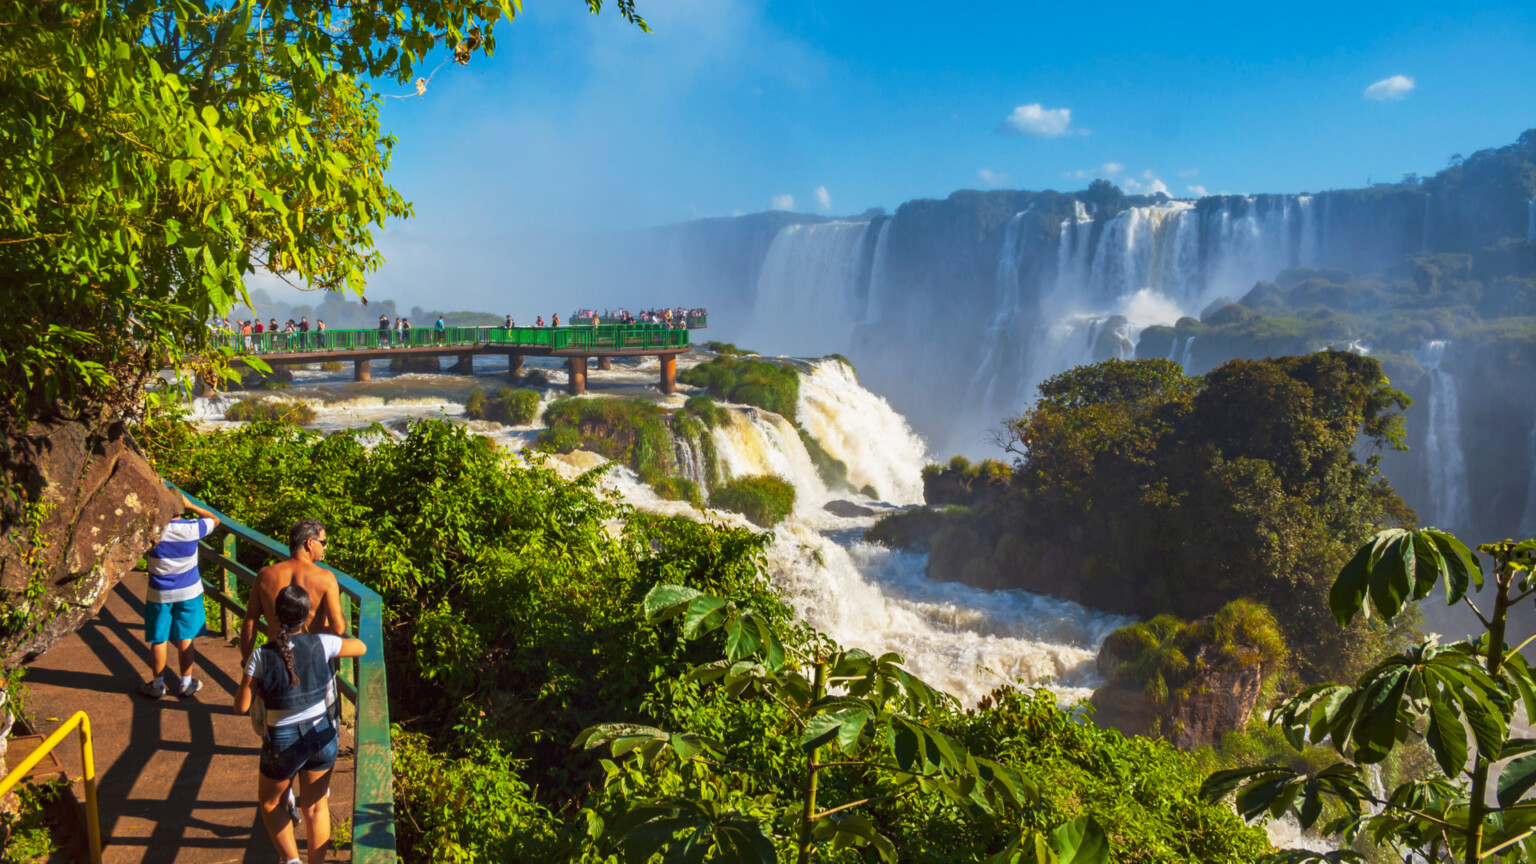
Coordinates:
[1185,362]
[1153,265]
[1173,348]
[807,291]
[1528,518]
[1444,460]
[690,462]
[861,429]
[878,275]
[759,442]
[998,340]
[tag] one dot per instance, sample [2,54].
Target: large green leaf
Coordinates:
[665,601]
[1080,841]
[1445,735]
[1396,567]
[703,614]
[1516,779]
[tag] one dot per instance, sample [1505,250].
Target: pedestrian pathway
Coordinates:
[176,779]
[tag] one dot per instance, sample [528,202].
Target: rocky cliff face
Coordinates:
[85,507]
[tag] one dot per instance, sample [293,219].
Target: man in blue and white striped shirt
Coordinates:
[173,607]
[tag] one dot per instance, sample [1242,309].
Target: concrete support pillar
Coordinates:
[514,367]
[605,363]
[669,373]
[465,365]
[362,370]
[577,381]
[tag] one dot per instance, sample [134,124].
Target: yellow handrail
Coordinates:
[87,758]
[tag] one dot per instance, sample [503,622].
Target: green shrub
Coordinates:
[1165,655]
[845,361]
[629,431]
[912,529]
[728,349]
[474,406]
[256,410]
[770,386]
[707,410]
[679,489]
[764,499]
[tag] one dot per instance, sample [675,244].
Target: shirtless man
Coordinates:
[306,545]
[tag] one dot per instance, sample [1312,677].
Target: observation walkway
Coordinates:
[577,344]
[176,779]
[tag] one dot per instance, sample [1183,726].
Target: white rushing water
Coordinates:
[961,639]
[1445,463]
[808,288]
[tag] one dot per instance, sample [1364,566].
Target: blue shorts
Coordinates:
[173,622]
[310,746]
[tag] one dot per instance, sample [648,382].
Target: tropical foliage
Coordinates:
[1430,692]
[516,617]
[156,152]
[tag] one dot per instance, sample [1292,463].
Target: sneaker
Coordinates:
[153,689]
[188,690]
[291,801]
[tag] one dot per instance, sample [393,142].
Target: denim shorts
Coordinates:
[309,746]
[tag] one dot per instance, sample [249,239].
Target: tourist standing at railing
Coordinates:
[383,329]
[442,330]
[292,678]
[509,324]
[173,604]
[540,322]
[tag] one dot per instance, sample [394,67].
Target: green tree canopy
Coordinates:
[1141,490]
[154,153]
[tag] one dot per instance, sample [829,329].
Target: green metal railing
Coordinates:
[362,680]
[601,338]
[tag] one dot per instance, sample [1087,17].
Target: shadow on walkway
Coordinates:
[176,778]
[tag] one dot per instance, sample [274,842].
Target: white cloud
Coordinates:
[1190,173]
[782,202]
[1390,89]
[1108,169]
[1038,121]
[1146,184]
[823,199]
[1197,191]
[991,179]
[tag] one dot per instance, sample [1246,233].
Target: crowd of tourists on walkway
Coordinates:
[289,683]
[677,316]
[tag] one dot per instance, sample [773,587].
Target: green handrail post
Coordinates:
[227,580]
[373,800]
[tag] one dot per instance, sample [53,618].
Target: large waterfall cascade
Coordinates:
[808,288]
[1444,460]
[961,639]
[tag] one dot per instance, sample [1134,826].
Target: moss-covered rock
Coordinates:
[630,431]
[1189,682]
[510,406]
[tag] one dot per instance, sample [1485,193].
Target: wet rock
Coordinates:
[847,509]
[93,507]
[1221,698]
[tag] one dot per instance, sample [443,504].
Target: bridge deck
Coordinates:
[176,779]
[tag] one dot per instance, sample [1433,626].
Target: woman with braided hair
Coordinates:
[291,674]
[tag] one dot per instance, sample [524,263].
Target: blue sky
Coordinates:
[583,123]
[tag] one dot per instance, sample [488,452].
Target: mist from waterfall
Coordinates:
[1528,517]
[1445,464]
